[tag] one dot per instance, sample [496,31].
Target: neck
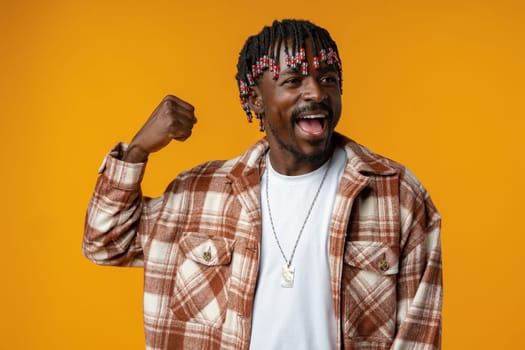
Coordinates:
[290,165]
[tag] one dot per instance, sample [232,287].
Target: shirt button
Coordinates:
[206,256]
[384,265]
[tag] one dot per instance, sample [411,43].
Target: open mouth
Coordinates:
[313,124]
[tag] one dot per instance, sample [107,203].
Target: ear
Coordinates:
[255,100]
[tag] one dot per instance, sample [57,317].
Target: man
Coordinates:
[306,241]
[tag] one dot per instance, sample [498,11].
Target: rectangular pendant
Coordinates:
[287,274]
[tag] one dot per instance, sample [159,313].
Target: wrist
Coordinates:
[135,154]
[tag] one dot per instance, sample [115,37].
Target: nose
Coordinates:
[312,90]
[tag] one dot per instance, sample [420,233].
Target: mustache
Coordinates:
[312,107]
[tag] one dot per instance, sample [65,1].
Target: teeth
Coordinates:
[313,116]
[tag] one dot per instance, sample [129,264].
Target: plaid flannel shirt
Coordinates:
[199,246]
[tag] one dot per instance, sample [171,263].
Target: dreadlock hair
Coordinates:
[261,52]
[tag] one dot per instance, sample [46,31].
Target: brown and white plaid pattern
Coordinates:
[199,246]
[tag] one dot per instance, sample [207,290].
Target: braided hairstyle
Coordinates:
[261,52]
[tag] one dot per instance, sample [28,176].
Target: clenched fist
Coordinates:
[173,119]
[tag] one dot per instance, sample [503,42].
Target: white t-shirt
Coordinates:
[301,317]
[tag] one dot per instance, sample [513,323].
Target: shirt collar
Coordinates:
[359,159]
[363,161]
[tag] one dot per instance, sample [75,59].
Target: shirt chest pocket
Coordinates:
[369,297]
[202,277]
[373,260]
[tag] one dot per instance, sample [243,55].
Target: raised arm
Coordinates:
[119,217]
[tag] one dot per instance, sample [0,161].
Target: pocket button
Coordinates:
[206,255]
[384,265]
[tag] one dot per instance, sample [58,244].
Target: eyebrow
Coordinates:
[329,68]
[290,71]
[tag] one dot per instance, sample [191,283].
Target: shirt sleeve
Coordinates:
[118,216]
[420,282]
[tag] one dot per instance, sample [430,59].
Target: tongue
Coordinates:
[311,126]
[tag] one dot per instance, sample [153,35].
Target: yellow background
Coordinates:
[436,85]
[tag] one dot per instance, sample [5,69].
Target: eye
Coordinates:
[292,81]
[329,79]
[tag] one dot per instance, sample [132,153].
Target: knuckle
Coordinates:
[167,103]
[185,135]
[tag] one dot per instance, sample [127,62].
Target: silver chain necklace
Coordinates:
[288,271]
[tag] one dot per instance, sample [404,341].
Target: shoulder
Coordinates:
[417,211]
[412,194]
[222,171]
[368,163]
[206,173]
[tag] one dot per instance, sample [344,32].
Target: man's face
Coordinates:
[300,111]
